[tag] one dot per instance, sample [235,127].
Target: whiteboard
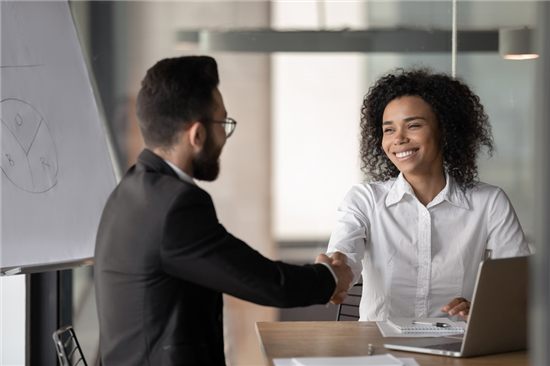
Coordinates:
[56,170]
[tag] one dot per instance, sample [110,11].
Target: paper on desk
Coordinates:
[407,361]
[388,330]
[378,360]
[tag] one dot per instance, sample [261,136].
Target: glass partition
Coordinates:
[506,89]
[316,109]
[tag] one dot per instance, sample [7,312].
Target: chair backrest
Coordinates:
[68,348]
[350,307]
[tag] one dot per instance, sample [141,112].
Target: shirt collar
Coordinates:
[397,191]
[181,174]
[451,193]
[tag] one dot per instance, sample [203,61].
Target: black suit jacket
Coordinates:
[162,262]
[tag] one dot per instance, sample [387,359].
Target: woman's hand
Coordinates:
[458,306]
[342,271]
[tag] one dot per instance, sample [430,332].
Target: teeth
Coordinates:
[403,154]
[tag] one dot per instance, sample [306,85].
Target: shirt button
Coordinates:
[424,213]
[426,263]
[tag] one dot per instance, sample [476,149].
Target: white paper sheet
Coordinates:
[378,360]
[342,361]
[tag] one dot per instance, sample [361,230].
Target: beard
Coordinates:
[206,164]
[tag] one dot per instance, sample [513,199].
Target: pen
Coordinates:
[439,325]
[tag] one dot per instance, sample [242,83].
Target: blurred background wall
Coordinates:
[294,154]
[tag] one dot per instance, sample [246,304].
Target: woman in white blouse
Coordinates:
[418,232]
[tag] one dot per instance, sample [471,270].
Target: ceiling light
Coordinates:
[516,44]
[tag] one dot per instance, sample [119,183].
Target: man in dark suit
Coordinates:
[162,259]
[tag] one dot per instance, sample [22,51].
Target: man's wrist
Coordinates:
[331,271]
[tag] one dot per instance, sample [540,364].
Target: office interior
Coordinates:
[294,154]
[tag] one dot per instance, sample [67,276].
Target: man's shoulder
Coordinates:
[157,190]
[162,177]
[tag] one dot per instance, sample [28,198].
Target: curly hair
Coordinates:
[460,115]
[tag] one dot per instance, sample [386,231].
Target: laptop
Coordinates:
[498,315]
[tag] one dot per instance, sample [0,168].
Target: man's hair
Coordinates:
[175,92]
[460,116]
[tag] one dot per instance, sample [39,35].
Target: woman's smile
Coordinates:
[404,154]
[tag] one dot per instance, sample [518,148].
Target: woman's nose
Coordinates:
[400,138]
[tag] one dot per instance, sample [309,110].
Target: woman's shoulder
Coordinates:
[482,187]
[485,192]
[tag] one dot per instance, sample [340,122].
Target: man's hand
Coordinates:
[338,258]
[342,271]
[458,306]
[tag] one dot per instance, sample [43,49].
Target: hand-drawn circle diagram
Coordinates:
[29,157]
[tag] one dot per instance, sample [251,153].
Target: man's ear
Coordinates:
[197,135]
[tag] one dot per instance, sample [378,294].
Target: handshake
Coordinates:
[339,264]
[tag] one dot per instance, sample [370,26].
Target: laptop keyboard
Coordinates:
[454,347]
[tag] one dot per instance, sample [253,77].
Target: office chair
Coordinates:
[68,348]
[350,307]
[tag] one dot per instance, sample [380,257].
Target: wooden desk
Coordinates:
[326,339]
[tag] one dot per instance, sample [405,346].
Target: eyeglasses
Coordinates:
[228,125]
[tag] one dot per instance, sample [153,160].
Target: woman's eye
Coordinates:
[414,125]
[386,130]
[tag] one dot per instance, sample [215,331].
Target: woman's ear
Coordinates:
[197,135]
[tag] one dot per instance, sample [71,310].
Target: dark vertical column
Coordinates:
[103,59]
[101,55]
[44,320]
[540,264]
[50,308]
[65,284]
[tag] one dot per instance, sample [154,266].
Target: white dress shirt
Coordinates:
[415,258]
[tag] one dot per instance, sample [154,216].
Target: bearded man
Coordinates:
[162,259]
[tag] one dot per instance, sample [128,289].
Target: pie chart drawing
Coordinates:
[29,157]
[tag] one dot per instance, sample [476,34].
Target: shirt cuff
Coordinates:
[331,271]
